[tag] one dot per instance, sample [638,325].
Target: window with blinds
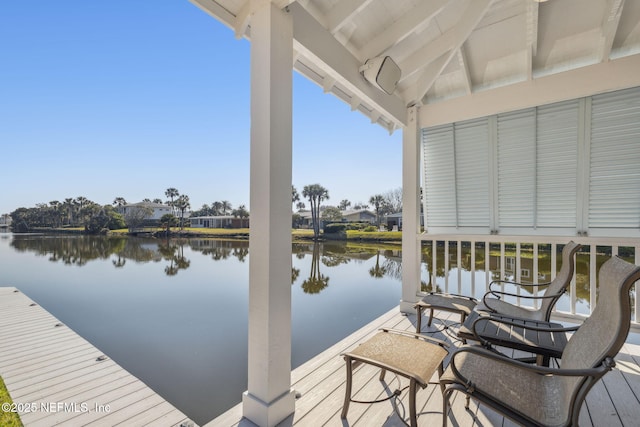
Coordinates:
[529,169]
[614,179]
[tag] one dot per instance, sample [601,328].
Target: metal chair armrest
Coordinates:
[497,294]
[510,282]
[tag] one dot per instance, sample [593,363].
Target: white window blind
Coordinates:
[472,173]
[614,179]
[439,176]
[516,168]
[557,165]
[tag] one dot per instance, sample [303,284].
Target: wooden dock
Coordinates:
[55,377]
[614,401]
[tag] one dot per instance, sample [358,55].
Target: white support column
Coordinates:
[269,398]
[410,213]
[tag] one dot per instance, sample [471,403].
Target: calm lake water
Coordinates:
[174,312]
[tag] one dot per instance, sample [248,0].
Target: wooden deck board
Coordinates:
[44,363]
[614,401]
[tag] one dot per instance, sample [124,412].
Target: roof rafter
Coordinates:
[464,66]
[342,12]
[609,27]
[438,53]
[403,27]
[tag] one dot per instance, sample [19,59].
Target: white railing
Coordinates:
[517,258]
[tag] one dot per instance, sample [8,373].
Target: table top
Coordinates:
[404,355]
[544,343]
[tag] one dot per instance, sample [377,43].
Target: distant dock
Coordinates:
[56,377]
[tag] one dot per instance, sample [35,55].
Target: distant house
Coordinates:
[157,209]
[5,221]
[351,215]
[220,221]
[394,221]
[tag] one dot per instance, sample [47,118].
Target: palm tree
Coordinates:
[81,202]
[68,207]
[226,207]
[344,204]
[55,212]
[295,196]
[171,193]
[316,193]
[241,213]
[377,201]
[182,204]
[216,208]
[119,202]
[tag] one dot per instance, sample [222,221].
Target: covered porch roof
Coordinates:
[458,58]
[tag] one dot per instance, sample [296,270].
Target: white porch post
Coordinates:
[410,212]
[269,398]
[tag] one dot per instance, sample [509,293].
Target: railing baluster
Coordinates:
[593,276]
[459,264]
[535,274]
[522,245]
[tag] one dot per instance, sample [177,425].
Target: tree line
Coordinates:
[95,218]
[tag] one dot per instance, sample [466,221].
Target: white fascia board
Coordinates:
[218,12]
[586,81]
[313,41]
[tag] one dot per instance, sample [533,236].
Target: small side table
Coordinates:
[544,339]
[415,357]
[445,302]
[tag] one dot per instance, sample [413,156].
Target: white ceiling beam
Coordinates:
[602,77]
[342,12]
[609,27]
[464,66]
[313,41]
[403,27]
[459,34]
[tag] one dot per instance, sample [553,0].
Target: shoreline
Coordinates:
[393,237]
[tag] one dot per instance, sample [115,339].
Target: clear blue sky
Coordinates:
[130,97]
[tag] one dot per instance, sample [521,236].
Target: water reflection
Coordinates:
[316,281]
[80,250]
[448,277]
